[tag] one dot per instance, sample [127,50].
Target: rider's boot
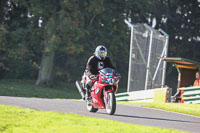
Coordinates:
[87,94]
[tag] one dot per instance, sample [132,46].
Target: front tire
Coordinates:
[111,103]
[90,107]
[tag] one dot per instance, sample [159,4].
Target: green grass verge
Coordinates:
[27,88]
[191,109]
[18,120]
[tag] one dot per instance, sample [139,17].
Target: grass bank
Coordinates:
[15,119]
[27,88]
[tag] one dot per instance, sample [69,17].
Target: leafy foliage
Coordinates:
[73,29]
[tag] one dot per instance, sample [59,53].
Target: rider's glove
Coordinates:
[93,76]
[117,74]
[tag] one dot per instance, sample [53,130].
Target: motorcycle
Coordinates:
[102,92]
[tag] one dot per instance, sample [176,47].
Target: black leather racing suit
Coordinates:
[92,68]
[94,65]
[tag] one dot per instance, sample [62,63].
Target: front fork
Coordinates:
[105,93]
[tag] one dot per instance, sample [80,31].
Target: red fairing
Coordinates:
[102,86]
[98,101]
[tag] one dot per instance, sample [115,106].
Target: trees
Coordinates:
[66,33]
[13,39]
[58,29]
[180,19]
[56,37]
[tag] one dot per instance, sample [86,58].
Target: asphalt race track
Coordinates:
[124,113]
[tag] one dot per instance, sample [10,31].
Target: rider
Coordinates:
[96,62]
[197,81]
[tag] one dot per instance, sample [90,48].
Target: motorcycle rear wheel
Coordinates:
[90,107]
[111,103]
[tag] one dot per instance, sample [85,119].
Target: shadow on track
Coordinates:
[151,118]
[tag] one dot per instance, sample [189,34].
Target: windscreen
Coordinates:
[107,70]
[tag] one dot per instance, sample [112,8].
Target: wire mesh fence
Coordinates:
[146,69]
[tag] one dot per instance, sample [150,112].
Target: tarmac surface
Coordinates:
[124,113]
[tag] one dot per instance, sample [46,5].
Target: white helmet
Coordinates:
[101,52]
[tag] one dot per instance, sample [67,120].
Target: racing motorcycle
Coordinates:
[102,92]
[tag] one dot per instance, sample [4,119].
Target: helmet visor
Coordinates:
[102,54]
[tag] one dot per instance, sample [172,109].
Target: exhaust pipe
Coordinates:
[80,89]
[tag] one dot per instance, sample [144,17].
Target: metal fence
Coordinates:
[147,45]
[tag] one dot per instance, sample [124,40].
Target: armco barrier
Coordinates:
[122,96]
[152,95]
[190,94]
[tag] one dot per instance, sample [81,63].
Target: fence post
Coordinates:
[149,55]
[130,60]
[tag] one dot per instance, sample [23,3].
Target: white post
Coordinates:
[130,60]
[149,58]
[165,55]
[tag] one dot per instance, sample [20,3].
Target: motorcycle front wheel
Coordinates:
[90,107]
[110,103]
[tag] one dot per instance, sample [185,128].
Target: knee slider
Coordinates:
[88,84]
